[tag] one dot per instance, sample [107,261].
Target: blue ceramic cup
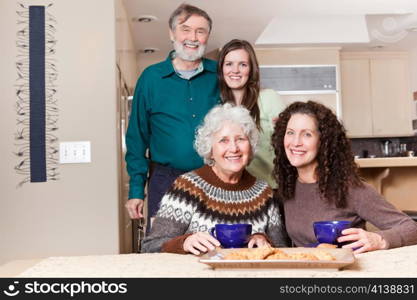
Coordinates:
[329,231]
[232,235]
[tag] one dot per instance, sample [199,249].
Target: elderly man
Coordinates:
[171,98]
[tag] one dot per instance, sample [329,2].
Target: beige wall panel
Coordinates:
[298,56]
[77,215]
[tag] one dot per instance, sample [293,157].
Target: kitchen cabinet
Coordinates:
[376,94]
[396,183]
[376,170]
[356,97]
[296,78]
[303,83]
[302,74]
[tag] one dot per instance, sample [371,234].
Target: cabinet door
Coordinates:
[390,97]
[356,97]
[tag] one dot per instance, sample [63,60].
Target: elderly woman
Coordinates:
[222,191]
[318,180]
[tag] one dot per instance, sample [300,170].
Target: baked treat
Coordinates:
[303,256]
[269,253]
[236,255]
[260,253]
[323,255]
[325,245]
[252,253]
[278,254]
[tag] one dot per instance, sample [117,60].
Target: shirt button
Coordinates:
[191,99]
[193,115]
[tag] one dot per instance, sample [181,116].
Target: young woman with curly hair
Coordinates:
[318,180]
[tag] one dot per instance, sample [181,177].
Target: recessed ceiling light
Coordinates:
[144,19]
[148,50]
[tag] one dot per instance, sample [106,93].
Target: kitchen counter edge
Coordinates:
[386,162]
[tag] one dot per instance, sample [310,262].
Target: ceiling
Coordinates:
[350,24]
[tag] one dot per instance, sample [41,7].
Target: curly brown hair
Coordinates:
[252,86]
[336,169]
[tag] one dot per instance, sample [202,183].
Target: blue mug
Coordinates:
[328,231]
[232,235]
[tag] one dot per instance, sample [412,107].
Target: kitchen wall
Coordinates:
[413,70]
[126,51]
[372,146]
[127,77]
[298,56]
[77,214]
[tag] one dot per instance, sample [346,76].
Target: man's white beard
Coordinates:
[182,53]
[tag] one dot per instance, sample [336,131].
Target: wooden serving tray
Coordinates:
[343,258]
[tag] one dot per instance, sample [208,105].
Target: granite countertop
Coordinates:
[386,162]
[399,262]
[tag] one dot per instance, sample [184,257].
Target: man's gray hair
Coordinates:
[187,11]
[214,121]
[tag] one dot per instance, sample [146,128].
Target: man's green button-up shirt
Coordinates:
[166,110]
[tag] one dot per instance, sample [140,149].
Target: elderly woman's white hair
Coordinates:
[214,121]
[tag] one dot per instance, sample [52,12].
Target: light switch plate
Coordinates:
[74,152]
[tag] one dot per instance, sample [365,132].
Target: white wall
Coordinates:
[413,76]
[126,51]
[413,68]
[78,214]
[126,60]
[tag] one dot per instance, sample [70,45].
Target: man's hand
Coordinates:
[134,208]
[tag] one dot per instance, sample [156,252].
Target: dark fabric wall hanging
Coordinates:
[36,106]
[37,93]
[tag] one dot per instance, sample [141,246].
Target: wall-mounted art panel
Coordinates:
[36,104]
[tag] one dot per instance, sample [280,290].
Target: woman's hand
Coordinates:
[362,240]
[200,242]
[258,240]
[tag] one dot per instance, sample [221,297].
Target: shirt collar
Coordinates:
[168,67]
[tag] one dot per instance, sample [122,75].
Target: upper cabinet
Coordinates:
[376,94]
[302,74]
[292,78]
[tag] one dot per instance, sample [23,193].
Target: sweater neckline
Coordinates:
[245,182]
[306,183]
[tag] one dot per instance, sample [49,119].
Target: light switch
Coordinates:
[74,152]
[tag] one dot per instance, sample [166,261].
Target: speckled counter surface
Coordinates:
[400,262]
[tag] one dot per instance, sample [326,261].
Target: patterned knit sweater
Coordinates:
[198,200]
